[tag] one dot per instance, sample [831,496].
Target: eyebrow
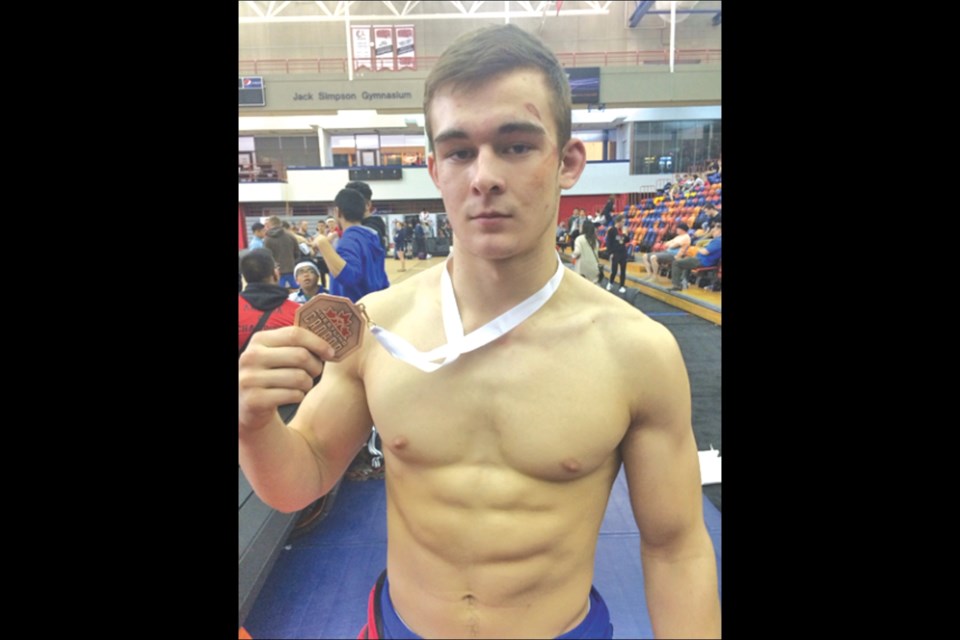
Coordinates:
[504,129]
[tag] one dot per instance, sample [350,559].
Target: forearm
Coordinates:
[682,594]
[334,262]
[281,467]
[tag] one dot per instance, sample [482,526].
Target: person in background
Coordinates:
[357,264]
[258,232]
[617,247]
[607,212]
[308,277]
[706,256]
[371,220]
[400,243]
[334,231]
[263,303]
[283,245]
[585,253]
[676,246]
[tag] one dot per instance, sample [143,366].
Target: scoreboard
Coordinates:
[251,91]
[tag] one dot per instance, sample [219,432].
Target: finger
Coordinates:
[295,337]
[293,379]
[284,358]
[258,403]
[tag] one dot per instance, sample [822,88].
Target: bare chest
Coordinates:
[526,402]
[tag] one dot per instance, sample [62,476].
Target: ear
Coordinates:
[432,168]
[573,159]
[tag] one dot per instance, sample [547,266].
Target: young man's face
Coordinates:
[497,165]
[307,278]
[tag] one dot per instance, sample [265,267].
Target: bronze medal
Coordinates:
[335,319]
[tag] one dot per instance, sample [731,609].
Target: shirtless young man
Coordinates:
[496,489]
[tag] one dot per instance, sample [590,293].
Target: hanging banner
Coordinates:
[383,41]
[406,50]
[361,47]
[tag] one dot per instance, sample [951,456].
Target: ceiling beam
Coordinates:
[642,9]
[389,5]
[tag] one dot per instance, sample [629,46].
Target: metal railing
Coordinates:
[570,59]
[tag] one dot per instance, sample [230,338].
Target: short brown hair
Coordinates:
[478,56]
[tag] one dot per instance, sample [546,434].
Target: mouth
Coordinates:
[489,215]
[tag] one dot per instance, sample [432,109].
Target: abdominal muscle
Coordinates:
[486,551]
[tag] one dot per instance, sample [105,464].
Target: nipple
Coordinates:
[571,464]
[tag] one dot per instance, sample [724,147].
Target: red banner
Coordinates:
[406,47]
[383,43]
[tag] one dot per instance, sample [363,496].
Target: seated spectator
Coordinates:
[707,256]
[708,218]
[677,246]
[263,303]
[308,277]
[716,176]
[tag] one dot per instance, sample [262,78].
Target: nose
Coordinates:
[488,177]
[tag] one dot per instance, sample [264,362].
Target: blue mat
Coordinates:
[319,586]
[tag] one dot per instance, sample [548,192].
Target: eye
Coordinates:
[460,154]
[518,149]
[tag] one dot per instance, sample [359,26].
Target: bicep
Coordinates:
[659,455]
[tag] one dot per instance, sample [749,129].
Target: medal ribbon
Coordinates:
[457,342]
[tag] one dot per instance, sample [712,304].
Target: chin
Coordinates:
[494,248]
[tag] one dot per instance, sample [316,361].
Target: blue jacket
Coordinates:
[364,273]
[713,253]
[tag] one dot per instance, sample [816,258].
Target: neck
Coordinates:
[311,291]
[486,288]
[346,224]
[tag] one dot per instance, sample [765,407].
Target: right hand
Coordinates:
[278,367]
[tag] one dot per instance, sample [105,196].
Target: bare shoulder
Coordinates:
[386,307]
[625,328]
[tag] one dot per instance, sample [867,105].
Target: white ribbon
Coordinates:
[457,343]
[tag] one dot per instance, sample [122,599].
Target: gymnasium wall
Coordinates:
[322,185]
